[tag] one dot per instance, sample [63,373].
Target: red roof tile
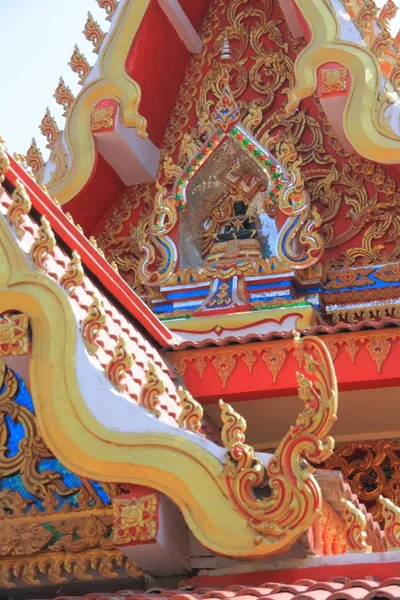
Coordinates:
[305,589]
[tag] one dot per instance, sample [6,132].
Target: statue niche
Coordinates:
[229,216]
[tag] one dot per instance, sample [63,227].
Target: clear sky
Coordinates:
[37,39]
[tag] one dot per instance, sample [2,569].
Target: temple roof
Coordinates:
[338,588]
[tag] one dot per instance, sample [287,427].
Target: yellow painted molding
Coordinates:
[188,469]
[112,82]
[363,120]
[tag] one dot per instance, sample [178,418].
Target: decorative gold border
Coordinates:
[112,82]
[363,116]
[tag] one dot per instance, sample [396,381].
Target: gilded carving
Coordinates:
[49,128]
[102,118]
[333,80]
[135,519]
[110,6]
[391,515]
[150,393]
[356,523]
[79,64]
[119,365]
[19,207]
[74,274]
[291,492]
[372,469]
[14,334]
[191,414]
[92,324]
[35,161]
[93,33]
[64,96]
[43,245]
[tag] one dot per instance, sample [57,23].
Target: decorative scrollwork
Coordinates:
[120,363]
[287,488]
[151,391]
[192,412]
[391,514]
[64,96]
[19,208]
[372,469]
[35,161]
[43,245]
[79,65]
[356,527]
[49,128]
[92,324]
[93,33]
[110,6]
[14,334]
[74,274]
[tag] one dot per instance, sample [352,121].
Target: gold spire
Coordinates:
[49,128]
[93,32]
[79,64]
[110,6]
[64,96]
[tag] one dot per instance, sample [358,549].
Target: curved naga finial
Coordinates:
[303,221]
[293,496]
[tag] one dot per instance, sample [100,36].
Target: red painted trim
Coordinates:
[98,265]
[379,571]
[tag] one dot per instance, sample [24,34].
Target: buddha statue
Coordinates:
[230,232]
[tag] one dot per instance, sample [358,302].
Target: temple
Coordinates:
[200,313]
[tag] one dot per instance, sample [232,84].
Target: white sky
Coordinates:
[37,39]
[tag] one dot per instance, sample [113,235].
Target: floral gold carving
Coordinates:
[391,514]
[291,487]
[79,65]
[135,519]
[19,208]
[43,245]
[92,324]
[333,80]
[73,276]
[14,334]
[372,469]
[93,33]
[191,414]
[62,567]
[274,358]
[356,523]
[119,365]
[151,391]
[64,96]
[379,348]
[102,118]
[110,6]
[224,364]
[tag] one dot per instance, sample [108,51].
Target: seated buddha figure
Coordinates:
[230,232]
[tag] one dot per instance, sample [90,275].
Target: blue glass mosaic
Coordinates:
[72,482]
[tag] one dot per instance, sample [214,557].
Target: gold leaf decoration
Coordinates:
[192,412]
[92,324]
[43,245]
[119,365]
[19,207]
[151,391]
[356,527]
[74,274]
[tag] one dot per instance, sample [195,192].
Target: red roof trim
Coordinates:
[98,265]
